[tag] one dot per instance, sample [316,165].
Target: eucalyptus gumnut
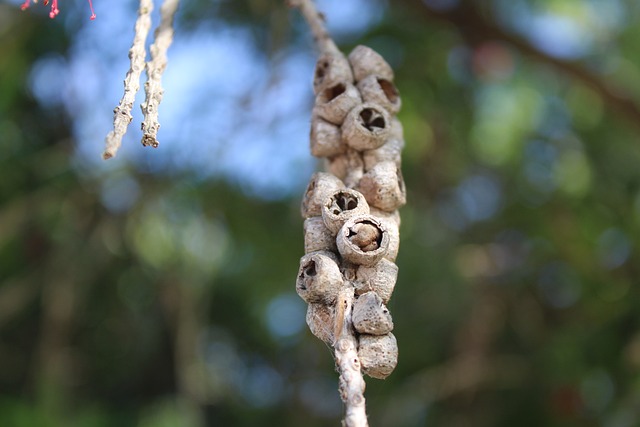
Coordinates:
[321,321]
[383,186]
[380,278]
[390,151]
[380,91]
[317,237]
[342,205]
[365,61]
[391,220]
[366,127]
[363,240]
[371,316]
[319,278]
[334,103]
[325,139]
[378,354]
[331,68]
[321,186]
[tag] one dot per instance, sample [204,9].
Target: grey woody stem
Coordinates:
[155,67]
[315,20]
[352,383]
[137,54]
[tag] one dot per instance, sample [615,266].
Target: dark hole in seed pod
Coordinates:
[333,92]
[372,119]
[346,201]
[310,269]
[389,89]
[321,69]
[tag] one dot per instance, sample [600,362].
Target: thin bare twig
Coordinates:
[155,67]
[137,54]
[315,20]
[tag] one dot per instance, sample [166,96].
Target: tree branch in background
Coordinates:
[155,68]
[478,28]
[137,54]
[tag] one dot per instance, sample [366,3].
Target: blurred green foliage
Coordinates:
[517,301]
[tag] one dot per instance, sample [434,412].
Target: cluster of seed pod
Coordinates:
[351,227]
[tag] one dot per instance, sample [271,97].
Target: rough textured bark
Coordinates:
[155,67]
[137,54]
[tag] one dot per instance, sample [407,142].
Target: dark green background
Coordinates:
[517,299]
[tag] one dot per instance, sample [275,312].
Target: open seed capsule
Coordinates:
[380,91]
[319,278]
[331,69]
[343,204]
[334,103]
[366,127]
[363,240]
[321,186]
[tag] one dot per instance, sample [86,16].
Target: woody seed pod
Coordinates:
[321,186]
[379,278]
[334,103]
[363,240]
[371,316]
[391,220]
[325,138]
[321,321]
[383,186]
[380,91]
[378,354]
[342,205]
[366,127]
[365,61]
[319,278]
[390,151]
[317,237]
[331,69]
[349,167]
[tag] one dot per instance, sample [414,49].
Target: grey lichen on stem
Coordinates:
[137,55]
[155,67]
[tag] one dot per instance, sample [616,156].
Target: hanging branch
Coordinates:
[478,27]
[351,228]
[137,54]
[155,67]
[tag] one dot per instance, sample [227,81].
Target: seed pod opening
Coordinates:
[366,127]
[321,186]
[371,316]
[378,354]
[317,237]
[334,103]
[321,321]
[325,138]
[363,240]
[365,61]
[319,278]
[383,186]
[342,205]
[380,91]
[331,69]
[380,278]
